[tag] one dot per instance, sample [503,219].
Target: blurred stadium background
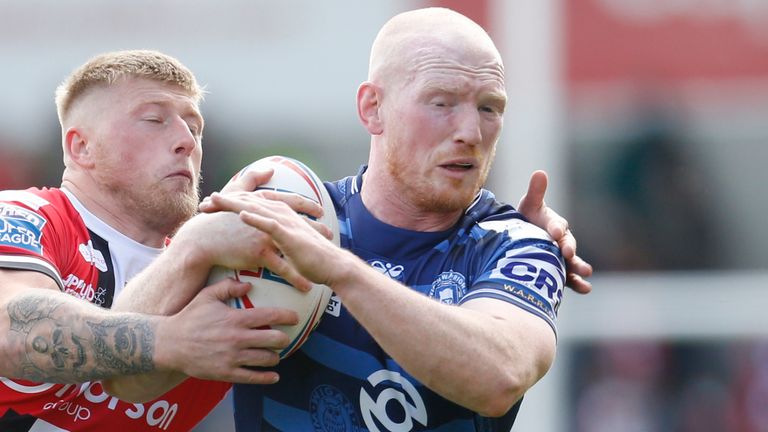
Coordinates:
[651,117]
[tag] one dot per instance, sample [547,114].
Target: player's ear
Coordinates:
[368,107]
[77,148]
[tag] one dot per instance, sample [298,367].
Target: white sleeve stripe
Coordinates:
[496,294]
[20,262]
[27,198]
[543,307]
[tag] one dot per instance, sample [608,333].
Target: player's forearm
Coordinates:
[166,285]
[52,337]
[140,388]
[435,343]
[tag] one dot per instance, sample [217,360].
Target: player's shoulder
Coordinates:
[33,203]
[33,198]
[29,219]
[489,214]
[343,189]
[515,228]
[37,208]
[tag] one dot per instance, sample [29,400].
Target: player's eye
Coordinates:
[153,119]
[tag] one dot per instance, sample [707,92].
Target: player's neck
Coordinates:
[392,208]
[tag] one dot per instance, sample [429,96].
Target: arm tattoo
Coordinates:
[61,345]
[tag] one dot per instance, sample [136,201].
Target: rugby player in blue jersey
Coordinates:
[445,299]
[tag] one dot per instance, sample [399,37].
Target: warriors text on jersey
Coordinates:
[341,380]
[49,231]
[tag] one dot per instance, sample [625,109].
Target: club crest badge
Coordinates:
[331,411]
[449,287]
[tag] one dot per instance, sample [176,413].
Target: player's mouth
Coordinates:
[459,165]
[181,174]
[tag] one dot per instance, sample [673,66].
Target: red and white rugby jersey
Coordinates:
[49,231]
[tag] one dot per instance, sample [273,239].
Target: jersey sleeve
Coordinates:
[27,238]
[526,269]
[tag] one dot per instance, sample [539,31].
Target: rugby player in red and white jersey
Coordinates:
[131,133]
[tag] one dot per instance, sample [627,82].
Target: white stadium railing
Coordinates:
[677,307]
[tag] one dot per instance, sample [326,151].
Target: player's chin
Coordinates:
[181,206]
[180,188]
[180,182]
[450,200]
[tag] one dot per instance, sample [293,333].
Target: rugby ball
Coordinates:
[269,289]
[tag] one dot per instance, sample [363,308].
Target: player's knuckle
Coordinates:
[271,358]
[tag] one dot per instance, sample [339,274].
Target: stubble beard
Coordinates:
[427,197]
[177,209]
[161,209]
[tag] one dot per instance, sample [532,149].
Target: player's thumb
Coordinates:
[249,181]
[534,196]
[537,188]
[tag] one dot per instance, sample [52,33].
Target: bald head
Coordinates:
[424,33]
[433,105]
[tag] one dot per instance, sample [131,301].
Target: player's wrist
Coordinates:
[187,251]
[349,271]
[165,354]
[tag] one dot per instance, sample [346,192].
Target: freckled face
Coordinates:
[148,149]
[442,125]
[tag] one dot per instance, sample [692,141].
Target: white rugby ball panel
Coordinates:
[293,176]
[269,289]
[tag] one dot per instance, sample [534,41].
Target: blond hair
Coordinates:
[105,69]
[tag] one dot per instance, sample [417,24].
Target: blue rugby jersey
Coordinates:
[341,380]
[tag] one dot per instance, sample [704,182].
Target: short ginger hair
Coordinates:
[107,68]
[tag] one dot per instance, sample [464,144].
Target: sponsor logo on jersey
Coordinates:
[331,411]
[393,271]
[21,228]
[334,306]
[16,212]
[449,287]
[391,389]
[93,256]
[79,288]
[537,270]
[82,401]
[525,271]
[531,299]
